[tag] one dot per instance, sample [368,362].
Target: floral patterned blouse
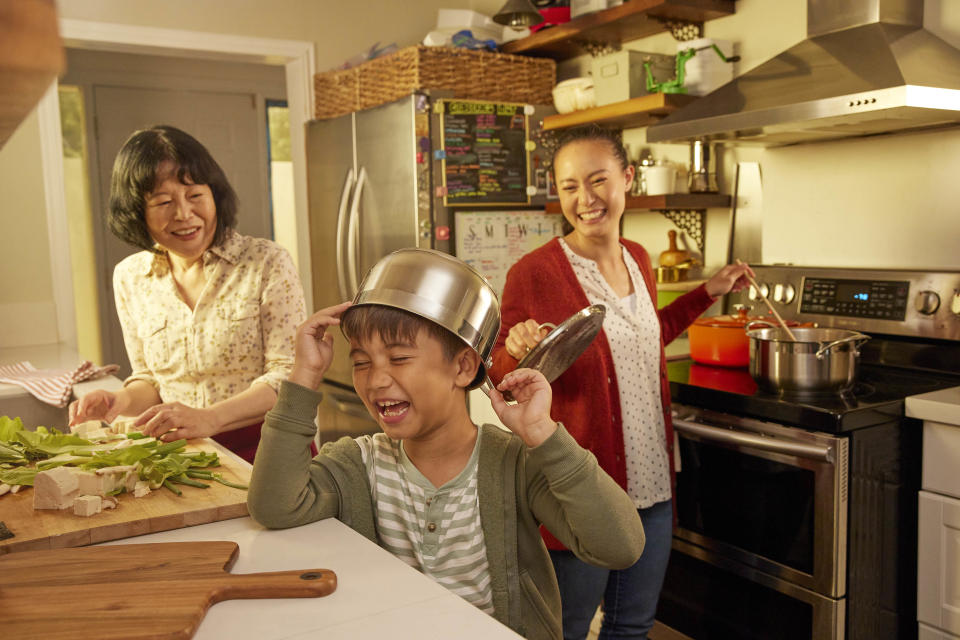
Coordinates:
[240,333]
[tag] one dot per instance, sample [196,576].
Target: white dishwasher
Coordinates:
[938,544]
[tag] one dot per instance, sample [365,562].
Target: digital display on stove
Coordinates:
[882,299]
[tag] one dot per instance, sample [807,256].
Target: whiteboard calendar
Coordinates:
[492,241]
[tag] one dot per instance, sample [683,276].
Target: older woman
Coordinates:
[208,315]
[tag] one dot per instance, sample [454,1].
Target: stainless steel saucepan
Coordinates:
[820,360]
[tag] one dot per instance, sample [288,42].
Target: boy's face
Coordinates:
[410,388]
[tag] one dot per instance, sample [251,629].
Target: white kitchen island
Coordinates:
[377,596]
[938,563]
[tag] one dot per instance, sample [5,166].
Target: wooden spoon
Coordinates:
[769,304]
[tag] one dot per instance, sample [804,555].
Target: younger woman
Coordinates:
[615,397]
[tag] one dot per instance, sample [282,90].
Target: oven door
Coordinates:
[770,497]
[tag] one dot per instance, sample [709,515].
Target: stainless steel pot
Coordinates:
[820,360]
[441,288]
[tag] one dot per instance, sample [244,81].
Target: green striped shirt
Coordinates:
[434,530]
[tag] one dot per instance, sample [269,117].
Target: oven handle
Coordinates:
[776,445]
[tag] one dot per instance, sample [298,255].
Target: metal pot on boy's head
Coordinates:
[440,288]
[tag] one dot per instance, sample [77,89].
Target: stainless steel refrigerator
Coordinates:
[375,186]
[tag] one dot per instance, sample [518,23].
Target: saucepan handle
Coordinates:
[857,339]
[547,325]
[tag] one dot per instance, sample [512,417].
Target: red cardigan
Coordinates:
[586,397]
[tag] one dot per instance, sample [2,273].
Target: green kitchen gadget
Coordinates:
[675,85]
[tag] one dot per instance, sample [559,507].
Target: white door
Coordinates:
[227,124]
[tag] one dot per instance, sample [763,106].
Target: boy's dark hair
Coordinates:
[590,132]
[392,325]
[135,176]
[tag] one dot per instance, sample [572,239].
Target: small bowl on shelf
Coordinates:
[574,94]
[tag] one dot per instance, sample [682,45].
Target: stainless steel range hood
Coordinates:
[866,67]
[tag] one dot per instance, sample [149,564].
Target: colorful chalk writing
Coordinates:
[485,153]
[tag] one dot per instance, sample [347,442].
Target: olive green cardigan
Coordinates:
[557,484]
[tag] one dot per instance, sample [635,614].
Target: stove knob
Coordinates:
[955,303]
[753,294]
[784,293]
[927,302]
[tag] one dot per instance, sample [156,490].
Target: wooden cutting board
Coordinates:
[159,511]
[141,591]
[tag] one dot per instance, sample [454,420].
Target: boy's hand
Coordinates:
[313,346]
[530,417]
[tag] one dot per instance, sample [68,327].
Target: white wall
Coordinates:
[27,311]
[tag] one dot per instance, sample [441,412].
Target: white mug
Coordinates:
[660,179]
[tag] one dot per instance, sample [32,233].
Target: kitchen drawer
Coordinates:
[938,562]
[941,457]
[929,633]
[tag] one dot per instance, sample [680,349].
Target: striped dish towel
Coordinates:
[53,386]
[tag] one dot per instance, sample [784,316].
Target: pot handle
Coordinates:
[857,338]
[757,323]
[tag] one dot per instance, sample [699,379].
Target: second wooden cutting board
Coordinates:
[161,510]
[142,591]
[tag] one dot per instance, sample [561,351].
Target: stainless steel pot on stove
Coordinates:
[820,360]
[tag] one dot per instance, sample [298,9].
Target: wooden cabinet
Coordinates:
[628,21]
[31,56]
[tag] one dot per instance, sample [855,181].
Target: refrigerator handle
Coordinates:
[341,233]
[353,268]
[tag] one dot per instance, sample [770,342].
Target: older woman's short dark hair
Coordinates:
[135,176]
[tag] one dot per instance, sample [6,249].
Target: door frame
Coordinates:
[298,60]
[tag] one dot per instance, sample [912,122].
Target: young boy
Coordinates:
[459,503]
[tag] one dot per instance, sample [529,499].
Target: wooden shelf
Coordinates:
[670,201]
[628,21]
[636,112]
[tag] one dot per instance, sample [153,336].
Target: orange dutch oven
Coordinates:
[722,340]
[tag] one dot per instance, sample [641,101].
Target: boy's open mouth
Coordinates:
[392,408]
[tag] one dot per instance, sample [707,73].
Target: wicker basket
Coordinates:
[475,75]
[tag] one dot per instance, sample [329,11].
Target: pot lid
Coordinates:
[563,345]
[737,320]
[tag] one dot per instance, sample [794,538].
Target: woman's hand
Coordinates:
[529,418]
[522,337]
[314,346]
[98,405]
[732,277]
[174,420]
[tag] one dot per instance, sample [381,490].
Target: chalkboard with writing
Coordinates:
[484,153]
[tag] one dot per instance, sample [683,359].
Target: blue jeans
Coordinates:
[629,596]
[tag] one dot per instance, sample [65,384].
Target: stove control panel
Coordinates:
[855,298]
[887,301]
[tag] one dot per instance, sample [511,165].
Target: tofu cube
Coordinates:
[129,480]
[95,484]
[141,489]
[109,502]
[123,425]
[84,428]
[55,488]
[87,505]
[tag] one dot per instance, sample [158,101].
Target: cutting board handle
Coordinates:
[308,583]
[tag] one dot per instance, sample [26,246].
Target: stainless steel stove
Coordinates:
[797,515]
